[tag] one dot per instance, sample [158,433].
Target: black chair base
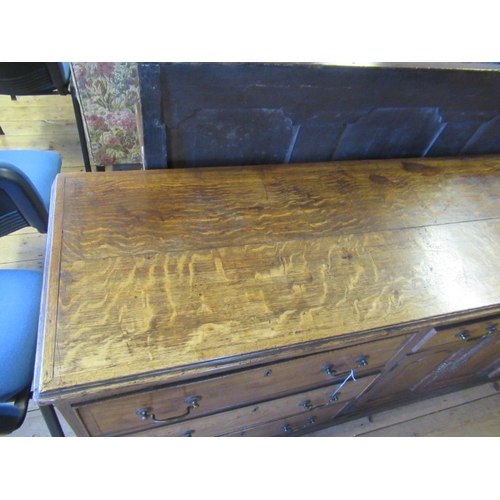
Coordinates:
[10,424]
[49,415]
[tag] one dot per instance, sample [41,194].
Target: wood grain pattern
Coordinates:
[158,271]
[211,208]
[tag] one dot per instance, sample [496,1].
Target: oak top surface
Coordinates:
[160,271]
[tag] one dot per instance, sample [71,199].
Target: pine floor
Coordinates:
[48,123]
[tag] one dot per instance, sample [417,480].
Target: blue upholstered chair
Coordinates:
[26,178]
[20,292]
[42,78]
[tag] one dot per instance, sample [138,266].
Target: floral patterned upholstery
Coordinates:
[109,94]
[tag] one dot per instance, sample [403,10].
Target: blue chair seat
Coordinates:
[20,295]
[20,292]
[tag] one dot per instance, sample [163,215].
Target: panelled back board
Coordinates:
[213,114]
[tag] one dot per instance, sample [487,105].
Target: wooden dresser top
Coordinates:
[154,273]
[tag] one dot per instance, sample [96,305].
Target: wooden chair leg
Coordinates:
[53,424]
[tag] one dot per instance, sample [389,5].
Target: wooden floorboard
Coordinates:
[470,412]
[47,123]
[24,249]
[476,419]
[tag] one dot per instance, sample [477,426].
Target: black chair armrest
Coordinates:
[24,196]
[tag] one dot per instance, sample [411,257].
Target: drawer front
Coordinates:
[463,333]
[322,404]
[119,415]
[288,427]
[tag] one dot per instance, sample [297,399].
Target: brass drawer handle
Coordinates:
[333,397]
[289,430]
[329,370]
[490,331]
[465,336]
[307,404]
[361,362]
[145,413]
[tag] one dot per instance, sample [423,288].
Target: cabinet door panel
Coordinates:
[445,357]
[407,376]
[467,365]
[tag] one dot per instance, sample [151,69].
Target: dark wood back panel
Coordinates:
[216,114]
